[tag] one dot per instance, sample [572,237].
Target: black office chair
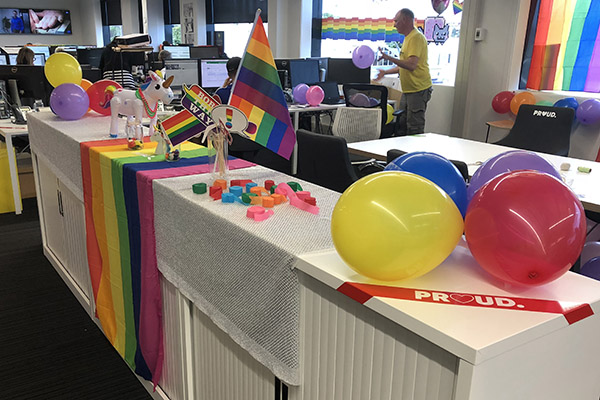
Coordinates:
[461,165]
[323,160]
[369,96]
[541,128]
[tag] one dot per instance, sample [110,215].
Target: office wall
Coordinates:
[85,21]
[290,24]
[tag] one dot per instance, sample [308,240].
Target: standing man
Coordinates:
[414,74]
[16,23]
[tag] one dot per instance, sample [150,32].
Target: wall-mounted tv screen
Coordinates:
[35,20]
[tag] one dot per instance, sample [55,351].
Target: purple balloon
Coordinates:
[591,268]
[360,100]
[373,102]
[69,101]
[363,56]
[299,93]
[588,112]
[513,160]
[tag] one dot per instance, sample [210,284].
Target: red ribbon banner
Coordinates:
[362,292]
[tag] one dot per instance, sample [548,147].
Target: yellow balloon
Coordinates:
[395,225]
[390,114]
[62,68]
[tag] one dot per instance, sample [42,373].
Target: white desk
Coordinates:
[9,130]
[585,185]
[296,110]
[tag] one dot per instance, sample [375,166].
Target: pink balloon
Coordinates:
[315,95]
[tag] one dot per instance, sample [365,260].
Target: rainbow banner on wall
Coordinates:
[121,247]
[258,94]
[563,46]
[373,29]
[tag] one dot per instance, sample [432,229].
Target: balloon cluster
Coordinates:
[522,223]
[69,99]
[587,113]
[303,94]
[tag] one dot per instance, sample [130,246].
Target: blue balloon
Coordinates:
[591,268]
[437,169]
[570,102]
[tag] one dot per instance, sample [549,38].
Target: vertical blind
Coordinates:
[562,51]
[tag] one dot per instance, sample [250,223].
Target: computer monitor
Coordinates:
[213,73]
[203,52]
[283,70]
[41,49]
[183,71]
[90,56]
[30,80]
[178,52]
[38,59]
[343,70]
[303,71]
[3,59]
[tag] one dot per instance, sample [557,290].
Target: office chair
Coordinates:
[392,154]
[541,128]
[357,124]
[376,97]
[323,160]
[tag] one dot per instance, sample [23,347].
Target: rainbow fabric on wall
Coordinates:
[360,28]
[565,42]
[258,94]
[457,6]
[121,248]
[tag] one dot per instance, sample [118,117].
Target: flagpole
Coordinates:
[258,11]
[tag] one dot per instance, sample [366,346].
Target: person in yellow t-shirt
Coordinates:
[414,74]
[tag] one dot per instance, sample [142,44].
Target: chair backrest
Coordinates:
[357,124]
[541,128]
[462,166]
[324,160]
[367,96]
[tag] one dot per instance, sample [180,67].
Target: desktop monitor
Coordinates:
[303,71]
[183,71]
[38,59]
[283,70]
[90,56]
[203,52]
[30,80]
[213,73]
[343,70]
[41,49]
[178,52]
[3,59]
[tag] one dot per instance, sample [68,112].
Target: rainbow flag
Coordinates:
[563,46]
[121,247]
[258,94]
[457,5]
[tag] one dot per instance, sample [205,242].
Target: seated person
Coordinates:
[116,66]
[25,56]
[224,91]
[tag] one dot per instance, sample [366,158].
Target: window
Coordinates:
[342,31]
[236,37]
[112,24]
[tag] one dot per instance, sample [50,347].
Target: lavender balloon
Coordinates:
[513,160]
[363,56]
[299,93]
[591,268]
[69,101]
[588,112]
[359,100]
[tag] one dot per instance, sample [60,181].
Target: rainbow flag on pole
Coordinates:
[257,93]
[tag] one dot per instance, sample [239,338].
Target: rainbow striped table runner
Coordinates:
[121,247]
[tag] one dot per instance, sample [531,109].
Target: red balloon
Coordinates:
[98,97]
[525,227]
[501,102]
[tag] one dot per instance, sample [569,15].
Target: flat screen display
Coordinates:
[41,21]
[213,73]
[183,71]
[38,59]
[178,52]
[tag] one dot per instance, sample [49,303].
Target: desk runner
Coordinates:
[121,247]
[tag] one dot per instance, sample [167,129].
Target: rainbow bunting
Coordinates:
[361,29]
[563,46]
[257,93]
[121,247]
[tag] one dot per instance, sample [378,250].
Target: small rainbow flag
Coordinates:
[457,5]
[258,94]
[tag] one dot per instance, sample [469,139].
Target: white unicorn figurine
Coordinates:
[137,103]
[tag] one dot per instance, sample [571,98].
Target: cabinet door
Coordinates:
[73,213]
[52,224]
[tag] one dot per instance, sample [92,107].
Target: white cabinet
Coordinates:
[62,218]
